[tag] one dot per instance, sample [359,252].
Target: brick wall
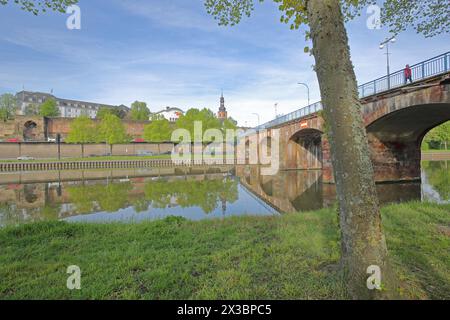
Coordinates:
[43,150]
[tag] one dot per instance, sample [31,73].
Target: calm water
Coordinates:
[146,194]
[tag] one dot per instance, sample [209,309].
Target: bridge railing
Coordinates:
[420,71]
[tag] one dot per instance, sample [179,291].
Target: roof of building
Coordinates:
[168,109]
[48,95]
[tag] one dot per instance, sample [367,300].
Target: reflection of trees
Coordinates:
[10,214]
[160,194]
[188,193]
[438,175]
[110,197]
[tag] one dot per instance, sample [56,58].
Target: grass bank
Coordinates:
[286,257]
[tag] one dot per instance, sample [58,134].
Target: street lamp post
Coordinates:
[256,114]
[307,88]
[385,44]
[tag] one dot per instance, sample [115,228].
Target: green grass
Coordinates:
[436,151]
[287,257]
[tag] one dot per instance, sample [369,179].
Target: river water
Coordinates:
[201,193]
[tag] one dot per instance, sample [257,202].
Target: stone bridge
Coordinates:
[396,121]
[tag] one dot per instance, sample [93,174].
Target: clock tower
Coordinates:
[223,114]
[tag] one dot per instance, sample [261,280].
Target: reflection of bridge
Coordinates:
[303,190]
[288,192]
[397,118]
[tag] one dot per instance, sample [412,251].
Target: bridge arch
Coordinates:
[304,149]
[395,139]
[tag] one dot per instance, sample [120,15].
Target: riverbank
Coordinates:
[287,257]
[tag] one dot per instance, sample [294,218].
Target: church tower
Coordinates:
[222,115]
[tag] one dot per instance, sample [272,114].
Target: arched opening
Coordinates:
[304,150]
[396,140]
[30,131]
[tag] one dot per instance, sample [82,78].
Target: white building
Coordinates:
[67,108]
[171,114]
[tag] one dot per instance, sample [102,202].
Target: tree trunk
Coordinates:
[362,240]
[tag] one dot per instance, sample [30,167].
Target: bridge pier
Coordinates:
[395,160]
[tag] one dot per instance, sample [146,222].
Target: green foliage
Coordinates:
[229,123]
[49,109]
[207,118]
[205,194]
[108,110]
[8,106]
[37,7]
[111,130]
[82,130]
[438,137]
[429,17]
[158,131]
[281,257]
[139,111]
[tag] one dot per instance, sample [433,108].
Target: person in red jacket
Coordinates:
[408,74]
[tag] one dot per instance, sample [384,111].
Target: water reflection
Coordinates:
[193,193]
[436,181]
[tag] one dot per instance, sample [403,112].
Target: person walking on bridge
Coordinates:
[408,74]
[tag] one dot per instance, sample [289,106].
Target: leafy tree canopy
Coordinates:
[158,131]
[205,116]
[108,110]
[8,106]
[49,109]
[139,111]
[439,135]
[111,130]
[82,130]
[429,17]
[38,6]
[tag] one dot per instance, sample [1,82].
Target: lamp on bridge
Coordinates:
[385,44]
[307,88]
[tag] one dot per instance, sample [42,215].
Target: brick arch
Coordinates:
[304,149]
[395,140]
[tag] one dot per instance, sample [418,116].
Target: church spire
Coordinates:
[222,115]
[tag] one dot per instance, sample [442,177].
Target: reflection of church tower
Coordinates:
[222,115]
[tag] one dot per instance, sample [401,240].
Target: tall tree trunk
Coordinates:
[362,240]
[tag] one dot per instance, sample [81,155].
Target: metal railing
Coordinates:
[423,70]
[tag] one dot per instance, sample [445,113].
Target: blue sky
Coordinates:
[172,53]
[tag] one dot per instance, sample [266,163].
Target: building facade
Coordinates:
[68,108]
